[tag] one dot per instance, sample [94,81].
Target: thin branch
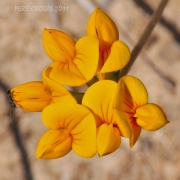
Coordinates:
[140,44]
[168,24]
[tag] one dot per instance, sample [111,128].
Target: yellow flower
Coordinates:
[72,126]
[99,99]
[74,63]
[36,95]
[131,105]
[114,54]
[31,96]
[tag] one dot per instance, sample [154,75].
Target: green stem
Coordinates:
[92,81]
[78,96]
[114,76]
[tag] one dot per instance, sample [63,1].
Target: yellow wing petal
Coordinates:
[136,131]
[108,139]
[128,127]
[84,137]
[123,123]
[58,45]
[54,144]
[151,117]
[119,56]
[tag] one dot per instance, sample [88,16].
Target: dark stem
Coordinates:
[114,76]
[92,81]
[78,96]
[140,44]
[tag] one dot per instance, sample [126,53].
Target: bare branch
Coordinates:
[140,44]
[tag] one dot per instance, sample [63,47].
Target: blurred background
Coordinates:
[22,58]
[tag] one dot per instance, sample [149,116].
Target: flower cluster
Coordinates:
[111,108]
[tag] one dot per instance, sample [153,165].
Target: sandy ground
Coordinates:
[156,154]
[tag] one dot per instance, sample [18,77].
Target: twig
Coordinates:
[140,44]
[168,24]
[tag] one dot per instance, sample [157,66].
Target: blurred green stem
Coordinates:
[78,96]
[114,76]
[92,81]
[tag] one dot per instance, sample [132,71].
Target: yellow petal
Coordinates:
[123,123]
[119,56]
[83,66]
[136,131]
[99,98]
[102,26]
[32,96]
[128,126]
[130,95]
[78,120]
[54,144]
[151,117]
[59,92]
[108,139]
[58,45]
[84,137]
[64,115]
